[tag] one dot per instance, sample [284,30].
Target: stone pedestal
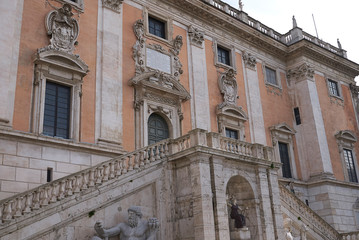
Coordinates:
[241,234]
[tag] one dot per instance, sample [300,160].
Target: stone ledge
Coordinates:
[56,142]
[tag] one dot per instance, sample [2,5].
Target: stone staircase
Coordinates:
[37,212]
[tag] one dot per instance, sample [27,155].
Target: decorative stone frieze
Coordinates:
[196,37]
[112,4]
[228,86]
[249,60]
[62,28]
[300,73]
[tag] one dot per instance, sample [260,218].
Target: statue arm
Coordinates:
[102,232]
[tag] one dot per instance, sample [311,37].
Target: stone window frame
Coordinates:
[231,117]
[277,75]
[232,56]
[160,17]
[64,69]
[284,133]
[78,5]
[346,139]
[339,87]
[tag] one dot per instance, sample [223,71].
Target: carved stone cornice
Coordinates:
[114,5]
[355,90]
[303,72]
[249,60]
[196,37]
[228,86]
[62,28]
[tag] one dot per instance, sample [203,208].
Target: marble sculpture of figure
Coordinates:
[135,229]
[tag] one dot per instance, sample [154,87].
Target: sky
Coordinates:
[333,19]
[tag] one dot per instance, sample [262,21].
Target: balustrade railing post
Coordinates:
[7,212]
[53,197]
[18,207]
[28,199]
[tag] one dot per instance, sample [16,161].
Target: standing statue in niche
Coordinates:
[135,229]
[236,214]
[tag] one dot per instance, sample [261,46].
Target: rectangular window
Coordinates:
[231,133]
[333,88]
[297,116]
[349,162]
[57,110]
[284,158]
[223,56]
[157,27]
[49,175]
[271,76]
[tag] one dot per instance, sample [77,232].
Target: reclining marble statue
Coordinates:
[135,229]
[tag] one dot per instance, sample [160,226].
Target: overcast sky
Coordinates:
[334,19]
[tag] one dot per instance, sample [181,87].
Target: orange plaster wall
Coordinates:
[336,118]
[184,79]
[130,16]
[34,36]
[276,109]
[214,93]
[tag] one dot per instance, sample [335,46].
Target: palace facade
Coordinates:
[184,108]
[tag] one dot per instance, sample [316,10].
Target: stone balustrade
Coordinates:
[307,215]
[350,236]
[294,35]
[32,200]
[40,197]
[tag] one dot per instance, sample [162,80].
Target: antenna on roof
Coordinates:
[315,26]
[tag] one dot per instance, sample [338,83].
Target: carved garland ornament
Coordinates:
[196,37]
[112,4]
[302,72]
[62,28]
[228,87]
[249,60]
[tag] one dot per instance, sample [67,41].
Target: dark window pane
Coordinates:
[231,133]
[297,116]
[223,56]
[284,158]
[271,76]
[157,27]
[333,88]
[57,110]
[349,161]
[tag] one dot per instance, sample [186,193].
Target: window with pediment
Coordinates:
[346,140]
[58,79]
[158,91]
[282,140]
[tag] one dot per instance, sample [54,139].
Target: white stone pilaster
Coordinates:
[198,87]
[311,133]
[202,197]
[109,77]
[255,112]
[11,18]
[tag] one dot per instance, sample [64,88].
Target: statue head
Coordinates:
[134,214]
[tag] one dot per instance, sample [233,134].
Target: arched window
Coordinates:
[157,129]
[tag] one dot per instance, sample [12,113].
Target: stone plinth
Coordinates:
[241,234]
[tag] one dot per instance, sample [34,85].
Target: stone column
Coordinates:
[202,197]
[267,221]
[311,137]
[11,18]
[255,112]
[198,80]
[219,191]
[109,74]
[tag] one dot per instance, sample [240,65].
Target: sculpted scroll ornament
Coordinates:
[249,60]
[112,4]
[302,72]
[228,86]
[62,28]
[196,37]
[139,48]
